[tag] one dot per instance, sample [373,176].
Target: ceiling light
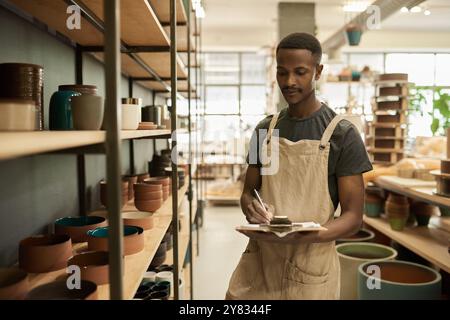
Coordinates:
[416,9]
[356,6]
[427,12]
[404,10]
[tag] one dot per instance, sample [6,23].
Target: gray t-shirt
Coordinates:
[348,155]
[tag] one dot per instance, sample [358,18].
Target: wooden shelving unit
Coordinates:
[162,10]
[135,265]
[430,243]
[387,131]
[19,144]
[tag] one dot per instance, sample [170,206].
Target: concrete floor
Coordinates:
[220,249]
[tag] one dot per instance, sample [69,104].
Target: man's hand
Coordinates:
[255,213]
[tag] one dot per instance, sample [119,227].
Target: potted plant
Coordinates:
[441,112]
[353,32]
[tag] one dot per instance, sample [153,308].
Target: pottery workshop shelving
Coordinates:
[147,57]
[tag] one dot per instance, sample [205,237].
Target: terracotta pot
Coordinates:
[165,195]
[141,177]
[158,180]
[133,239]
[13,284]
[77,227]
[155,195]
[394,76]
[148,205]
[131,181]
[94,266]
[103,193]
[58,291]
[44,253]
[397,199]
[139,219]
[351,256]
[399,280]
[145,187]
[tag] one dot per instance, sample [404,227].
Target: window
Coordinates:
[419,67]
[253,99]
[253,68]
[443,69]
[222,100]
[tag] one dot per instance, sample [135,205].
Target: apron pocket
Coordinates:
[242,279]
[301,285]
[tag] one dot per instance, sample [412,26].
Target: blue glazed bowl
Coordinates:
[103,231]
[133,240]
[77,227]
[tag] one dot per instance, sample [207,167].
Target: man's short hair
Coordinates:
[302,40]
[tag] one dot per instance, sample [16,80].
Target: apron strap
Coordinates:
[272,125]
[354,119]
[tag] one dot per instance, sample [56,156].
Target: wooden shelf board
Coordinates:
[182,44]
[139,24]
[419,193]
[388,82]
[384,138]
[155,85]
[430,243]
[19,144]
[384,150]
[387,125]
[128,65]
[160,63]
[162,10]
[54,14]
[184,58]
[386,163]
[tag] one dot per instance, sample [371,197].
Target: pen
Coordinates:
[259,199]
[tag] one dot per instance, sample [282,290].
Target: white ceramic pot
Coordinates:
[131,116]
[17,115]
[150,276]
[87,112]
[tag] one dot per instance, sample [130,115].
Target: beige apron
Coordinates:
[299,190]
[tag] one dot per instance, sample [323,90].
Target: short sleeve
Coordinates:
[353,158]
[256,141]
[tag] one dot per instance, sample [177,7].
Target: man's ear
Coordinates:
[319,70]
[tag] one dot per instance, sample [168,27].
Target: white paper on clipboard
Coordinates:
[296,227]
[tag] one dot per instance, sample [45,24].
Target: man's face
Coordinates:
[297,70]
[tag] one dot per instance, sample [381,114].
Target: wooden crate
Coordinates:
[393,132]
[385,105]
[378,155]
[388,143]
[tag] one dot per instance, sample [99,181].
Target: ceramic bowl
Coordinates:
[363,235]
[139,219]
[142,177]
[131,116]
[143,291]
[145,188]
[44,253]
[158,295]
[58,290]
[94,266]
[77,227]
[133,239]
[154,195]
[158,180]
[131,181]
[13,284]
[148,205]
[150,276]
[87,112]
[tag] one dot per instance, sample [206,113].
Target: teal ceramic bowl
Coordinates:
[103,231]
[445,212]
[77,227]
[363,235]
[398,280]
[60,110]
[373,210]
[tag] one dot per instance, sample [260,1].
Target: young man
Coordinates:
[321,158]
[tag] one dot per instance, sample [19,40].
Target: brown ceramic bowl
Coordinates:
[397,199]
[165,195]
[77,227]
[131,181]
[44,253]
[58,290]
[13,284]
[158,180]
[133,239]
[155,195]
[83,89]
[141,177]
[145,187]
[139,219]
[148,205]
[94,266]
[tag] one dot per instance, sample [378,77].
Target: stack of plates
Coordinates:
[24,81]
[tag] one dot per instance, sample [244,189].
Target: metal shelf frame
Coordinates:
[113,48]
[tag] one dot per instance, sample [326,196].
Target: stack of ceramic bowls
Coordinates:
[163,181]
[24,82]
[103,193]
[131,181]
[397,211]
[373,203]
[148,197]
[181,175]
[131,113]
